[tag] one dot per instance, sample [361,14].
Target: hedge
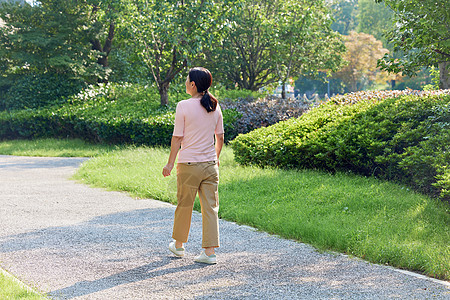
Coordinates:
[113,114]
[400,136]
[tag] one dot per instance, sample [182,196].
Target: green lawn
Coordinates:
[53,148]
[379,221]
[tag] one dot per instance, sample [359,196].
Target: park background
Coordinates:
[342,88]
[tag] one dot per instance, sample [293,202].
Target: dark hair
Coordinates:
[203,80]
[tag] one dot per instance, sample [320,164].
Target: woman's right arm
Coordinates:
[175,145]
[177,138]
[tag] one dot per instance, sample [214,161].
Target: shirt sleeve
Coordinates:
[178,129]
[219,126]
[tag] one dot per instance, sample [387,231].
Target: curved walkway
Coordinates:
[76,242]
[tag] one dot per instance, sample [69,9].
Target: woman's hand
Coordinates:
[175,145]
[167,169]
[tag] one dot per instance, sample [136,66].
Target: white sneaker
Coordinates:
[176,251]
[203,258]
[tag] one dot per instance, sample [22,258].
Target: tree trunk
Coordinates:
[283,90]
[444,75]
[96,45]
[164,93]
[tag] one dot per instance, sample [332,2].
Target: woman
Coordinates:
[197,121]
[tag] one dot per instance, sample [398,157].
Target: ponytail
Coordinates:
[209,102]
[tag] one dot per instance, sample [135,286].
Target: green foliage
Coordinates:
[230,119]
[50,37]
[269,41]
[415,82]
[306,43]
[223,93]
[421,33]
[104,113]
[400,138]
[375,19]
[345,14]
[434,73]
[35,90]
[168,35]
[46,52]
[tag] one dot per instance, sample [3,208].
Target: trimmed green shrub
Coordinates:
[112,113]
[402,138]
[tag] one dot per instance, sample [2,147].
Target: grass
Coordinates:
[379,221]
[11,289]
[53,148]
[376,220]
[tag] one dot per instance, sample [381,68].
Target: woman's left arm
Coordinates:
[219,144]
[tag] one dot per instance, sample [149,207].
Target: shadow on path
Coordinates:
[141,273]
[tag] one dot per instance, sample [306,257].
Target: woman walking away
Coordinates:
[197,121]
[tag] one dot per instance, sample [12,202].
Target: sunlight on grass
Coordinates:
[378,221]
[53,148]
[10,289]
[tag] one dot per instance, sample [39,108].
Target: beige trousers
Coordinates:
[201,178]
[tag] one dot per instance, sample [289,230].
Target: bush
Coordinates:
[403,138]
[224,94]
[263,112]
[36,90]
[111,113]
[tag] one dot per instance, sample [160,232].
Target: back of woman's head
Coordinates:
[203,80]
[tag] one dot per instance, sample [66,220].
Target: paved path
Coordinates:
[76,242]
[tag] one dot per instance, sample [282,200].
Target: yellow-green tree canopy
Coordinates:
[363,51]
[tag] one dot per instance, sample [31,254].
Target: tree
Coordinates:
[422,33]
[44,53]
[95,16]
[374,19]
[169,35]
[103,18]
[51,48]
[269,41]
[363,51]
[306,42]
[45,38]
[245,53]
[58,36]
[345,15]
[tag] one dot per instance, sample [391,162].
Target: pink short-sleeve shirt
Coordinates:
[197,127]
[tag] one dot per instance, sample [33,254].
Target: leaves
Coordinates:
[399,135]
[421,33]
[52,37]
[268,41]
[108,113]
[363,51]
[169,35]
